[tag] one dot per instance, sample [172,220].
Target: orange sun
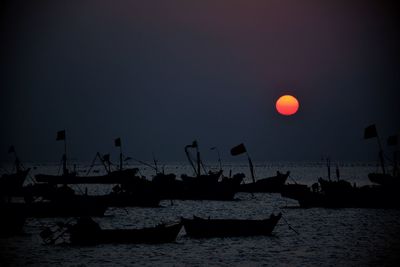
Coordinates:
[287,105]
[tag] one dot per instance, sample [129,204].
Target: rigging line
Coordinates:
[276,207]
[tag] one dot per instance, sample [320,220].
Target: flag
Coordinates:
[11,149]
[193,145]
[392,140]
[117,142]
[239,149]
[60,135]
[370,132]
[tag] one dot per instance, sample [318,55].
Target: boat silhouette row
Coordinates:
[52,195]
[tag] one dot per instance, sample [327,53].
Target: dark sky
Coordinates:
[159,74]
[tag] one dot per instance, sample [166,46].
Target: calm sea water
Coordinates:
[323,237]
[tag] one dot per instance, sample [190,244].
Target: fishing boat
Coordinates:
[87,232]
[341,194]
[206,185]
[272,184]
[384,178]
[116,176]
[208,228]
[11,183]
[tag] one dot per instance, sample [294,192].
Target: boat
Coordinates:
[205,185]
[87,232]
[208,228]
[384,178]
[11,183]
[272,184]
[341,194]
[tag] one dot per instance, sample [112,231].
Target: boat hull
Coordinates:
[208,228]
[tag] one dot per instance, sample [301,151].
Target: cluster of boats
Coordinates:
[53,196]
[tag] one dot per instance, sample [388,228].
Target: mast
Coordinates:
[61,136]
[251,168]
[193,145]
[118,143]
[382,160]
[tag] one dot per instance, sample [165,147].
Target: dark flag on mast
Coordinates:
[60,135]
[117,142]
[370,132]
[239,149]
[392,140]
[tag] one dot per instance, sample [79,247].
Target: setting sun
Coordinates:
[287,105]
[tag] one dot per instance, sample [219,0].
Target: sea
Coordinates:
[303,237]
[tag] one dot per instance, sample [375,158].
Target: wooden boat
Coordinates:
[341,194]
[385,179]
[88,232]
[272,184]
[207,228]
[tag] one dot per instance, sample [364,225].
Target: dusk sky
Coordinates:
[160,74]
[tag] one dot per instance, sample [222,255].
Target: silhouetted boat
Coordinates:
[341,194]
[88,232]
[11,183]
[205,186]
[384,179]
[272,184]
[207,228]
[13,216]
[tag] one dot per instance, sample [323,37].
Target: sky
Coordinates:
[160,74]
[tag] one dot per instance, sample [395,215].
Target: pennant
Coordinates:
[60,135]
[239,149]
[117,142]
[392,140]
[370,132]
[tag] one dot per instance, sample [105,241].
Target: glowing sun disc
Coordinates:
[287,105]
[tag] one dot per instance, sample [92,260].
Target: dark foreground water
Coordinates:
[323,237]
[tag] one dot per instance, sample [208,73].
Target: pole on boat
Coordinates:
[371,132]
[393,141]
[118,143]
[251,168]
[193,145]
[219,156]
[61,136]
[240,149]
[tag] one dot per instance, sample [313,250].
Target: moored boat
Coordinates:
[208,228]
[88,232]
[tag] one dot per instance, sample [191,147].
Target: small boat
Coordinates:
[272,184]
[11,183]
[207,228]
[88,232]
[385,179]
[341,194]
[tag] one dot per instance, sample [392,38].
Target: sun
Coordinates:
[287,105]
